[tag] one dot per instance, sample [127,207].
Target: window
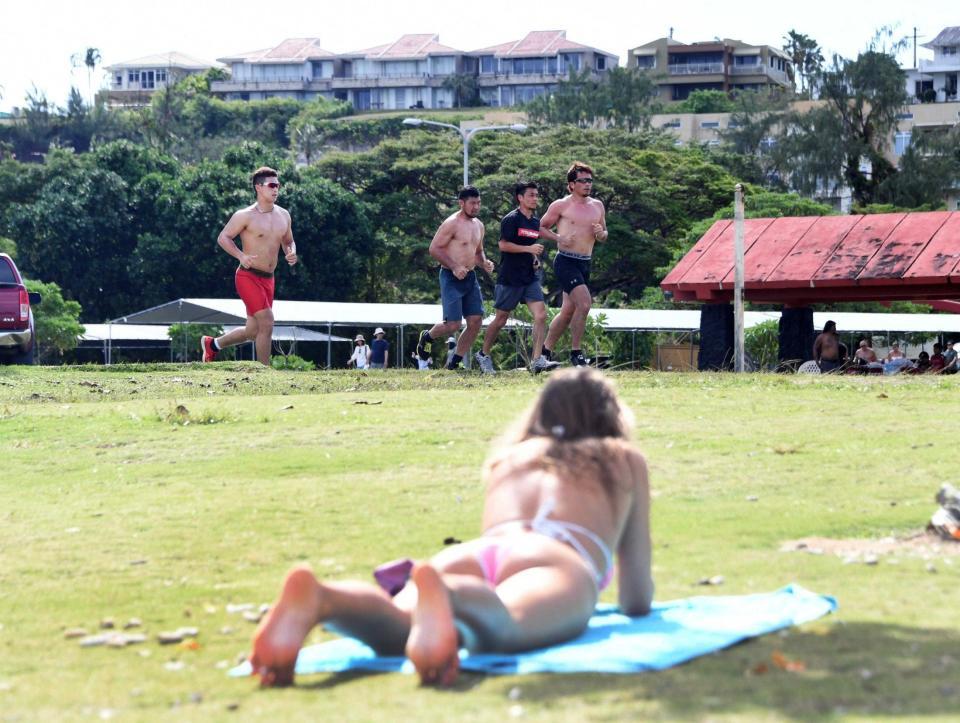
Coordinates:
[6,273]
[710,124]
[904,116]
[733,124]
[118,80]
[487,65]
[949,49]
[161,76]
[526,93]
[601,62]
[675,123]
[133,77]
[768,144]
[713,143]
[646,62]
[146,79]
[901,142]
[568,61]
[747,60]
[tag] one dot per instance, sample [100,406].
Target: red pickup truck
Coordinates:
[17,335]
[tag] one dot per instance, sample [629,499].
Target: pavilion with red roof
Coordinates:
[799,261]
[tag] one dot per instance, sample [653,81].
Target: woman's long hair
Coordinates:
[579,412]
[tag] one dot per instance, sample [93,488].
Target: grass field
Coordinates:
[168,493]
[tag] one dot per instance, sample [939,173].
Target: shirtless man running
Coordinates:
[458,246]
[263,229]
[581,222]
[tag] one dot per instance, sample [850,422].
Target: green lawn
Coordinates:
[167,493]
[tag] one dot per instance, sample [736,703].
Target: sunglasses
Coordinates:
[583,180]
[272,184]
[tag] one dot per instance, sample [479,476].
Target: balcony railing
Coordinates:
[755,69]
[696,68]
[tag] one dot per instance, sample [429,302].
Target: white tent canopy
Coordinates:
[330,314]
[159,332]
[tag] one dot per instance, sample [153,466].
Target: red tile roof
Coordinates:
[536,43]
[911,256]
[408,47]
[291,50]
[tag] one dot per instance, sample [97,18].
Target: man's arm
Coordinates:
[600,232]
[439,249]
[236,224]
[386,358]
[817,345]
[549,220]
[480,256]
[287,242]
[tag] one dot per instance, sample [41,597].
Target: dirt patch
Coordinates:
[924,544]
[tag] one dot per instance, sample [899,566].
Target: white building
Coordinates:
[936,80]
[297,68]
[407,73]
[134,81]
[517,72]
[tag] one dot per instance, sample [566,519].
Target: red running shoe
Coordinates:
[206,346]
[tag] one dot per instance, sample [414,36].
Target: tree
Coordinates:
[466,92]
[91,59]
[705,101]
[626,100]
[806,59]
[57,321]
[840,142]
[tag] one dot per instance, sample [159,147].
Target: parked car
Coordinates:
[17,336]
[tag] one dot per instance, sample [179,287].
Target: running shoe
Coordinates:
[542,364]
[485,362]
[578,359]
[206,346]
[422,345]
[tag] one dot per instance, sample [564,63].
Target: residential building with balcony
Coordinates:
[517,72]
[297,68]
[679,69]
[134,81]
[935,81]
[407,73]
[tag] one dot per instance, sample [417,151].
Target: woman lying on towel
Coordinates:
[567,489]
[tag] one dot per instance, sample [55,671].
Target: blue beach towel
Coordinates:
[672,633]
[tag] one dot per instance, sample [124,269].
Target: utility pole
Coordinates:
[738,342]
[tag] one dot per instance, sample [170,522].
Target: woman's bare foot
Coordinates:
[432,645]
[281,633]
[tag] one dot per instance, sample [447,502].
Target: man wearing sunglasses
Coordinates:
[581,222]
[264,228]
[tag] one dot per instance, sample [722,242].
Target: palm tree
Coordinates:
[91,59]
[805,57]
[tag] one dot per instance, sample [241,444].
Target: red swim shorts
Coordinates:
[255,291]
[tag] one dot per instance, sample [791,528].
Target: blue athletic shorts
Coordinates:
[506,298]
[460,297]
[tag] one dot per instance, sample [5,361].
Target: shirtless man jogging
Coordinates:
[263,229]
[581,222]
[458,246]
[519,277]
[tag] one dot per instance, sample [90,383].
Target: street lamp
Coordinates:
[465,136]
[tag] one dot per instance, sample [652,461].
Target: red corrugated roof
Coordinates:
[910,256]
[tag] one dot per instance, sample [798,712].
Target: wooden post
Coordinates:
[738,350]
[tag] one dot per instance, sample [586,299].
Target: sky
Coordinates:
[38,37]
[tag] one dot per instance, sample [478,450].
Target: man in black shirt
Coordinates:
[519,277]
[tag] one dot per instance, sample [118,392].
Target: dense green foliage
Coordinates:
[56,321]
[844,140]
[624,99]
